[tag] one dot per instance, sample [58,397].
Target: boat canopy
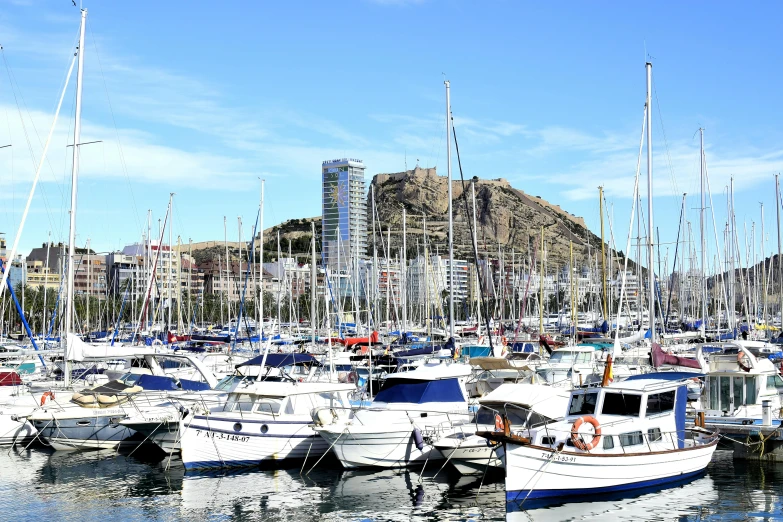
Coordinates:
[665,376]
[279,360]
[420,391]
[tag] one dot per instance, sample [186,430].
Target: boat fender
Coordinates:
[418,440]
[352,377]
[46,396]
[324,417]
[577,440]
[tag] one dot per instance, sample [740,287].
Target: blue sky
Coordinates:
[203,98]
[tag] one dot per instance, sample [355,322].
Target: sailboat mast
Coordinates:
[780,250]
[313,282]
[261,266]
[703,239]
[451,216]
[171,261]
[650,252]
[541,288]
[77,131]
[404,273]
[603,251]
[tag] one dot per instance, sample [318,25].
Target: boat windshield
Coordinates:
[774,381]
[583,403]
[562,357]
[517,416]
[569,357]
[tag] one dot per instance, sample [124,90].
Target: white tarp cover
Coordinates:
[545,400]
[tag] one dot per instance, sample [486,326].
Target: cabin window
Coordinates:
[268,406]
[608,442]
[736,391]
[774,381]
[583,404]
[621,404]
[713,386]
[725,392]
[583,358]
[660,402]
[633,438]
[654,434]
[750,390]
[547,441]
[562,357]
[244,403]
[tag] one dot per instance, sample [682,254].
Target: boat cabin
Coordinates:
[738,382]
[570,366]
[645,413]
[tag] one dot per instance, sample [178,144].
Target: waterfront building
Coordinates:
[166,265]
[41,276]
[438,279]
[17,274]
[344,210]
[90,275]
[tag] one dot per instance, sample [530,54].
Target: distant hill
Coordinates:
[506,218]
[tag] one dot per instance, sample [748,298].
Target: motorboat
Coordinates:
[411,410]
[162,424]
[262,421]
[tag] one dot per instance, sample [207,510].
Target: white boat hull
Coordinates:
[212,442]
[535,472]
[355,448]
[13,429]
[469,455]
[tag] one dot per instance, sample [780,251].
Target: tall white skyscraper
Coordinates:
[344,207]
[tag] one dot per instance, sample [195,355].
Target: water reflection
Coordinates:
[100,484]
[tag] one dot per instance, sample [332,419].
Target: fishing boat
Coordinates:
[624,436]
[411,410]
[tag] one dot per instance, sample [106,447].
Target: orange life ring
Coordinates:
[46,396]
[499,426]
[740,355]
[577,440]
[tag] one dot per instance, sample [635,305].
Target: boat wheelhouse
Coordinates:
[625,436]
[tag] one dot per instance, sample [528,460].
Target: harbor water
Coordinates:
[103,485]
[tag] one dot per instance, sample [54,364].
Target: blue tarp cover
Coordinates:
[189,385]
[156,382]
[278,360]
[419,392]
[418,351]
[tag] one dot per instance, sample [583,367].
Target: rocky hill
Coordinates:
[507,218]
